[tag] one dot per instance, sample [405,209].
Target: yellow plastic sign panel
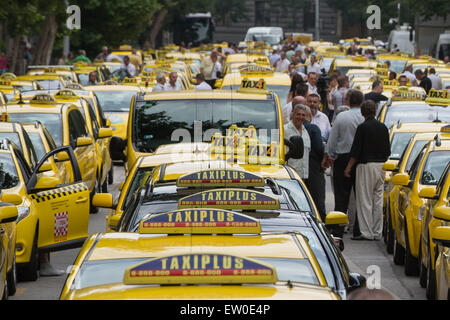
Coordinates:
[255,69]
[196,268]
[230,199]
[74,86]
[200,221]
[4,117]
[130,80]
[253,86]
[43,98]
[220,178]
[403,94]
[438,97]
[66,94]
[446,129]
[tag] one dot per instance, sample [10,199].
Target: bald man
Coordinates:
[287,109]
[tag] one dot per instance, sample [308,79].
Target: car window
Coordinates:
[434,167]
[50,84]
[13,137]
[418,145]
[415,113]
[77,126]
[416,164]
[38,144]
[296,193]
[138,180]
[8,173]
[115,101]
[399,142]
[30,149]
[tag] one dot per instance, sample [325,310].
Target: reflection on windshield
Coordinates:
[434,167]
[8,173]
[415,113]
[398,143]
[52,121]
[115,101]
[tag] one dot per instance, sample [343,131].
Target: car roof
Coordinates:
[203,94]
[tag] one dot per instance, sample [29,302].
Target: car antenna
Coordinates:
[437,117]
[20,99]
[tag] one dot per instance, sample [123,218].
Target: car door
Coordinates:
[86,155]
[63,208]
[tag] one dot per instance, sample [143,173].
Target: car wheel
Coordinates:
[29,272]
[422,269]
[11,277]
[399,252]
[411,262]
[5,290]
[431,281]
[389,232]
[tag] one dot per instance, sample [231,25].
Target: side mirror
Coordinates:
[356,281]
[47,183]
[84,141]
[428,192]
[114,221]
[441,236]
[8,213]
[296,148]
[104,133]
[442,213]
[102,200]
[390,165]
[401,179]
[116,149]
[12,198]
[62,156]
[108,123]
[46,166]
[336,218]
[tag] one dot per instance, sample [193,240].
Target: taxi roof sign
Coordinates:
[199,221]
[230,199]
[253,86]
[220,178]
[195,268]
[255,69]
[42,98]
[66,94]
[446,129]
[403,94]
[438,97]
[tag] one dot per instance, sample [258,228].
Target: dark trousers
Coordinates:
[342,189]
[316,186]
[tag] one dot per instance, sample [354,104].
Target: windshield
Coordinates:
[399,142]
[281,90]
[92,273]
[38,144]
[8,173]
[171,121]
[434,167]
[52,121]
[345,69]
[269,38]
[418,145]
[415,113]
[115,101]
[13,137]
[398,66]
[50,84]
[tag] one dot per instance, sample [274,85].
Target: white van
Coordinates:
[443,46]
[271,35]
[401,38]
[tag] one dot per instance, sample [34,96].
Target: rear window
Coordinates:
[171,121]
[52,121]
[416,113]
[435,166]
[13,137]
[399,142]
[115,101]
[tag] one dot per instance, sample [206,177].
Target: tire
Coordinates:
[422,269]
[411,262]
[12,278]
[5,290]
[431,281]
[111,174]
[389,231]
[399,252]
[29,272]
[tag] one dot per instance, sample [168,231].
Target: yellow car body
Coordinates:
[52,215]
[66,124]
[436,214]
[8,216]
[357,62]
[441,236]
[240,100]
[205,266]
[425,171]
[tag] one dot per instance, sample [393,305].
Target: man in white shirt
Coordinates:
[283,64]
[436,82]
[313,65]
[128,67]
[318,118]
[160,82]
[408,73]
[201,84]
[311,82]
[172,85]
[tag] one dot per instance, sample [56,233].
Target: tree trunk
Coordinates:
[15,53]
[157,25]
[48,48]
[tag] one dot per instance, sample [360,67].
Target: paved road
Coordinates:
[366,257]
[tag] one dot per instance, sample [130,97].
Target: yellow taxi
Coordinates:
[67,126]
[244,57]
[195,116]
[356,62]
[8,276]
[20,85]
[144,171]
[401,164]
[63,70]
[215,248]
[82,74]
[278,82]
[435,215]
[441,236]
[52,215]
[397,62]
[48,80]
[407,105]
[426,170]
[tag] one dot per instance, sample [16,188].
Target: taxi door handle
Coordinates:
[2,230]
[81,200]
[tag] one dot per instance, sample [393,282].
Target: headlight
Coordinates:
[23,212]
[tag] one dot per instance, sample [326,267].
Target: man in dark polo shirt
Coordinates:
[425,82]
[376,94]
[370,149]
